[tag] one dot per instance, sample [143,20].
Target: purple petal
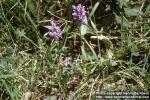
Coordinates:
[78,12]
[48,27]
[53,24]
[54,30]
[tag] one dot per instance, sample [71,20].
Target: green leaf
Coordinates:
[114,63]
[93,26]
[122,3]
[109,54]
[20,33]
[87,55]
[108,44]
[6,62]
[83,29]
[93,10]
[86,29]
[31,6]
[83,52]
[147,10]
[132,11]
[122,21]
[7,76]
[135,53]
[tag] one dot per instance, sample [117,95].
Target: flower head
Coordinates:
[54,30]
[78,12]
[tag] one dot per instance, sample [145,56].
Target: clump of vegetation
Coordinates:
[69,49]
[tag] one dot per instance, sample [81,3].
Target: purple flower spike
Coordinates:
[78,12]
[54,30]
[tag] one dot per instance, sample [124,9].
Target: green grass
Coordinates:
[32,63]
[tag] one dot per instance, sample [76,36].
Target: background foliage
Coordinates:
[77,65]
